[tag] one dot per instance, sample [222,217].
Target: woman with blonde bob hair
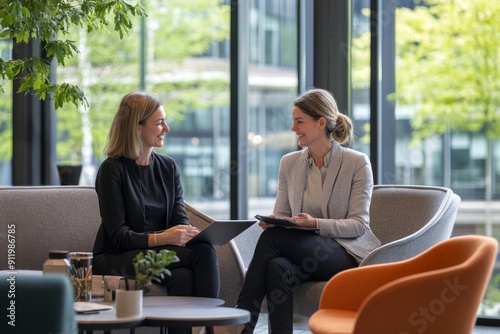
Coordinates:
[142,206]
[124,139]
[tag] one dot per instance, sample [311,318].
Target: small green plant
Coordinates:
[152,266]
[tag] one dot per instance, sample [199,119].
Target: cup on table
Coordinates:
[81,275]
[128,303]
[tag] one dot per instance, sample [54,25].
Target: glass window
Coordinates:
[181,53]
[447,109]
[273,85]
[361,75]
[446,106]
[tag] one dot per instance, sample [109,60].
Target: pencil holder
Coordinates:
[81,275]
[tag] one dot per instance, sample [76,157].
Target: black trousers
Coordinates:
[196,273]
[283,259]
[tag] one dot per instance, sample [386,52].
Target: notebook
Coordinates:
[90,307]
[220,232]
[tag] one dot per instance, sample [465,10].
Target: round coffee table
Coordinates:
[168,311]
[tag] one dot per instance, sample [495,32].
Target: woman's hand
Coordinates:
[177,235]
[265,225]
[305,220]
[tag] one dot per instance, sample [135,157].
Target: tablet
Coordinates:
[220,232]
[283,222]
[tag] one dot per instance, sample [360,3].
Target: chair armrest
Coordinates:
[196,217]
[230,263]
[438,229]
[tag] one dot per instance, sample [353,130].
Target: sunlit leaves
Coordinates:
[66,93]
[61,50]
[44,20]
[448,61]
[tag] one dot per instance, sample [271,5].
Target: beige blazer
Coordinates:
[345,199]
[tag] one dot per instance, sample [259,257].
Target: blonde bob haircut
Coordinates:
[124,138]
[319,103]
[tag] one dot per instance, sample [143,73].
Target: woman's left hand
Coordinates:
[305,220]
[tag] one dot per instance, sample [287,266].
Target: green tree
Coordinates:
[50,22]
[448,63]
[449,60]
[21,21]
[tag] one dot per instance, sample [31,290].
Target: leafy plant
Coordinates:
[47,21]
[152,266]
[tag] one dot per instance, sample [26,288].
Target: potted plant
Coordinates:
[152,267]
[69,173]
[148,267]
[69,167]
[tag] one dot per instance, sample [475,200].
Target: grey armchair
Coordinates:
[407,219]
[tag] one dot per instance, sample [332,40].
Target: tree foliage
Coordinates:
[176,38]
[448,63]
[21,21]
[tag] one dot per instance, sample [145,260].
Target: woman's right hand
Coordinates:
[178,235]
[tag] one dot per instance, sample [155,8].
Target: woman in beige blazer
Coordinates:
[324,187]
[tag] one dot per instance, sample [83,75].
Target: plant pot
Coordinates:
[69,174]
[128,303]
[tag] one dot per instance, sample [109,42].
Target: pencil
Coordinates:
[88,272]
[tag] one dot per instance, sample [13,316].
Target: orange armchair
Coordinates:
[438,291]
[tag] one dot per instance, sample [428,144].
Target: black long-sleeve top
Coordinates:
[123,198]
